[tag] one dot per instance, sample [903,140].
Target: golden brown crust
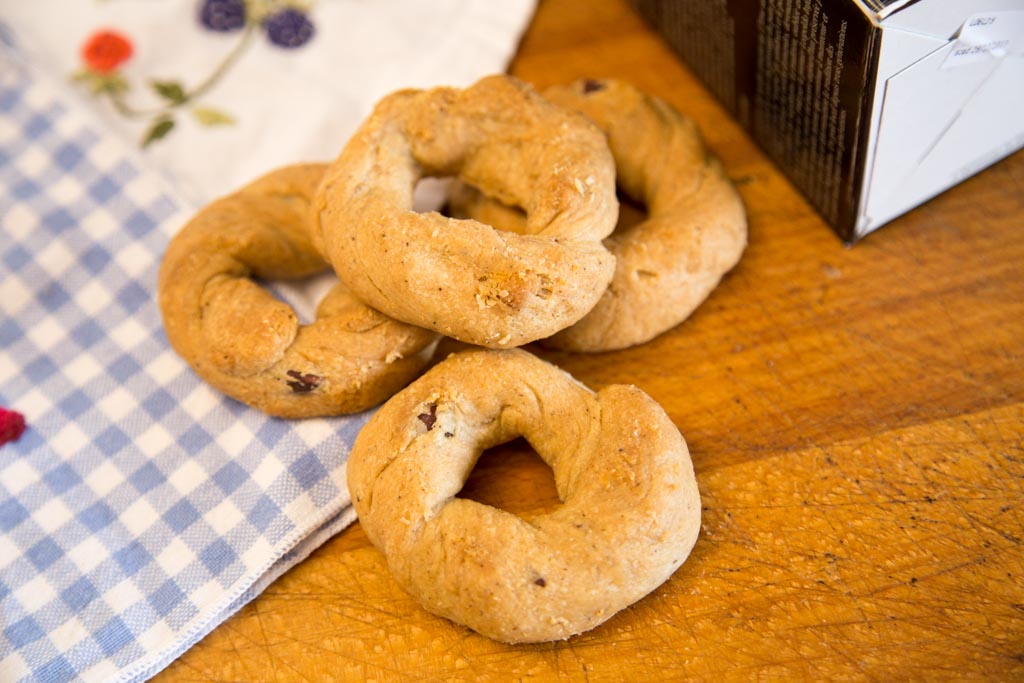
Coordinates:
[461,277]
[629,518]
[249,345]
[696,228]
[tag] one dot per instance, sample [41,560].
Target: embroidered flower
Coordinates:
[288,28]
[285,22]
[12,425]
[105,50]
[222,15]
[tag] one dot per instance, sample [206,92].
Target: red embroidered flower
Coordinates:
[12,425]
[105,50]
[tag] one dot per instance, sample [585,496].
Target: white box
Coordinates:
[871,107]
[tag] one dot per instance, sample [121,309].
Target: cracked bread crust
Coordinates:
[630,510]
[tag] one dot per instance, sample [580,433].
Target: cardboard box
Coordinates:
[870,107]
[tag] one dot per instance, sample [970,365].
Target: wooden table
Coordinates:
[855,417]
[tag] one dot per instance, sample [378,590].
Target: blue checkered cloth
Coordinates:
[141,508]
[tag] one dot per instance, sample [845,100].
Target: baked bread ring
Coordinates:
[630,509]
[695,230]
[248,344]
[461,277]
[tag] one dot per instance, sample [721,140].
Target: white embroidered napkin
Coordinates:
[288,80]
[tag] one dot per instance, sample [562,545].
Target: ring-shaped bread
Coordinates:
[251,346]
[630,511]
[463,278]
[695,230]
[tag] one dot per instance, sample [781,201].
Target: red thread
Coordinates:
[12,425]
[105,50]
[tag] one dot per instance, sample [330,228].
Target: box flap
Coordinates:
[942,18]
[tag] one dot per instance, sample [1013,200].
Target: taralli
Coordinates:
[464,278]
[695,231]
[251,346]
[630,511]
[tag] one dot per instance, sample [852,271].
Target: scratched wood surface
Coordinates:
[855,416]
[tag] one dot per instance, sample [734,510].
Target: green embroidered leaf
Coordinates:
[98,84]
[160,128]
[90,79]
[113,84]
[212,117]
[83,75]
[170,91]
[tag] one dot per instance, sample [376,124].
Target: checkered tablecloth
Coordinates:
[140,508]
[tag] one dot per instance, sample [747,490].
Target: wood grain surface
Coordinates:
[855,416]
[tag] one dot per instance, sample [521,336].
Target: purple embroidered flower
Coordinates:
[288,28]
[222,15]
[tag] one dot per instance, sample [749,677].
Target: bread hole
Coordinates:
[429,194]
[466,201]
[303,294]
[631,212]
[513,478]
